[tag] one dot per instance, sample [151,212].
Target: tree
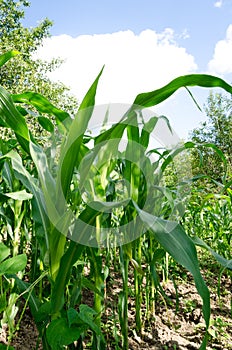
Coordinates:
[24,73]
[217,129]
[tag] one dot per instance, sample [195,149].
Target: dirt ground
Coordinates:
[176,326]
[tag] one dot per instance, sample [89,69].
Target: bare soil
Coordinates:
[176,326]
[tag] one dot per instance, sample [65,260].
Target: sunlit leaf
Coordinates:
[7,56]
[19,195]
[149,99]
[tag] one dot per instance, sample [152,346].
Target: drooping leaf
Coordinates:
[149,99]
[175,241]
[25,289]
[85,282]
[224,262]
[42,104]
[7,56]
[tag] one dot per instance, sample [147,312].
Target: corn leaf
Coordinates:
[4,251]
[71,147]
[19,195]
[176,242]
[71,255]
[46,123]
[7,56]
[12,118]
[32,185]
[42,104]
[13,265]
[224,262]
[55,238]
[149,99]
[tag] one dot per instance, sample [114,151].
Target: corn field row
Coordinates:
[105,214]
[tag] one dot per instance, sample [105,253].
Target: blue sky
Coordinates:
[201,19]
[144,45]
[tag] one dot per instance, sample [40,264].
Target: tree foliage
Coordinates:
[26,73]
[217,129]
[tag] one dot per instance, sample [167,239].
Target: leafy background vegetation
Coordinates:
[81,295]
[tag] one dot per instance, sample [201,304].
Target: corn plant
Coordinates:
[9,266]
[77,212]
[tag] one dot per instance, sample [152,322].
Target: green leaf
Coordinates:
[56,239]
[7,56]
[46,180]
[43,313]
[71,255]
[87,315]
[71,148]
[13,119]
[115,132]
[11,115]
[19,195]
[72,316]
[175,241]
[216,149]
[149,99]
[89,99]
[3,302]
[4,252]
[85,282]
[146,131]
[41,104]
[31,184]
[59,334]
[24,288]
[224,262]
[6,347]
[14,264]
[46,124]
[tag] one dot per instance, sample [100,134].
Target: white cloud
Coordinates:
[222,58]
[185,34]
[218,3]
[133,63]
